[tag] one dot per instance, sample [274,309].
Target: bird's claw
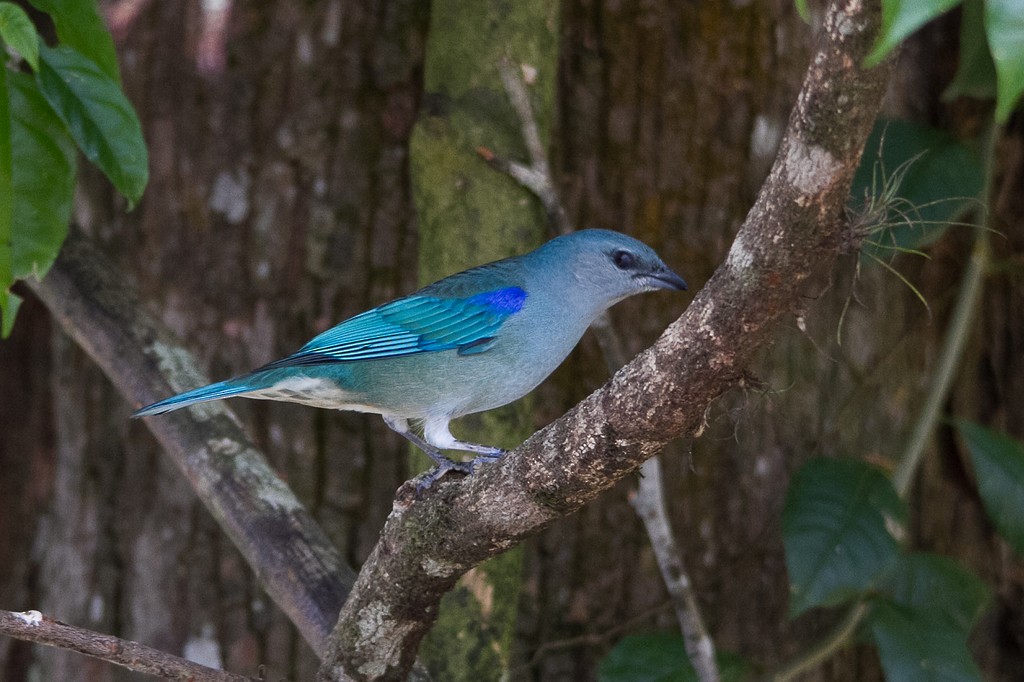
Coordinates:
[446,465]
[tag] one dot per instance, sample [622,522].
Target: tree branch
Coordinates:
[791,232]
[33,626]
[292,556]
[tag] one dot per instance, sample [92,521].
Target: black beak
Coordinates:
[666,279]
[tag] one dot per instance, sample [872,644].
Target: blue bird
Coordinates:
[471,342]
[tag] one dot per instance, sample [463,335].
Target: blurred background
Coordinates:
[295,152]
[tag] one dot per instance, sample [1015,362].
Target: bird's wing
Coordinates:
[415,324]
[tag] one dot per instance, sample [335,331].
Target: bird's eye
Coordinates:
[623,260]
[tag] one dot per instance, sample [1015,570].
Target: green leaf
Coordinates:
[100,118]
[900,18]
[17,32]
[916,179]
[939,586]
[661,657]
[999,465]
[8,303]
[917,645]
[803,11]
[44,178]
[975,73]
[80,26]
[1004,23]
[834,531]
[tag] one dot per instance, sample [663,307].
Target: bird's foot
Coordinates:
[487,458]
[442,468]
[445,465]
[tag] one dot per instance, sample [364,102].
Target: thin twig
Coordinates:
[535,177]
[967,305]
[649,503]
[33,626]
[649,498]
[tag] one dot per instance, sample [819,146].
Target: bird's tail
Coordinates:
[222,389]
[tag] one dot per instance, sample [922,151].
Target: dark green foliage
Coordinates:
[661,657]
[834,531]
[1003,23]
[911,183]
[999,467]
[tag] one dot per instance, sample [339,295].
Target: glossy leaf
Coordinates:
[834,531]
[998,463]
[920,177]
[18,33]
[79,25]
[44,179]
[900,18]
[917,645]
[99,116]
[1004,24]
[661,657]
[975,73]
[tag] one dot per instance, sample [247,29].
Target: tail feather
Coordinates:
[222,389]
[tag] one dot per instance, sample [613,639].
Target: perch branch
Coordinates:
[792,231]
[33,626]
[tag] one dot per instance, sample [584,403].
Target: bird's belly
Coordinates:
[441,384]
[315,392]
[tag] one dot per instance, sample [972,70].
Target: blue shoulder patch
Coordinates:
[501,301]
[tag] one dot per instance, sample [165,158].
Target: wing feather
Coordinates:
[415,324]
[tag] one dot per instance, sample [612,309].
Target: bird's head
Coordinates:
[611,266]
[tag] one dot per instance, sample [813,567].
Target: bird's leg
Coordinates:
[401,426]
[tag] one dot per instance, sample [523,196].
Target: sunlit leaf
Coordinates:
[900,18]
[999,466]
[8,304]
[100,118]
[661,657]
[79,25]
[44,178]
[18,33]
[802,10]
[1004,24]
[834,531]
